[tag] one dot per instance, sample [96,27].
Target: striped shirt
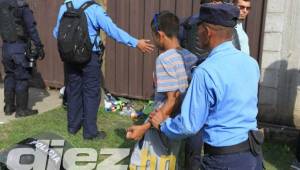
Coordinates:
[172,73]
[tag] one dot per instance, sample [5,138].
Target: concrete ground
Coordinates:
[41,99]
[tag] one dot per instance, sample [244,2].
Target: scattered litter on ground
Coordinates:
[111,104]
[125,107]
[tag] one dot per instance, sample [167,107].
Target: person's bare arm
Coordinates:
[136,132]
[171,104]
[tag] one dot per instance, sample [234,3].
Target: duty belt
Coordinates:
[241,147]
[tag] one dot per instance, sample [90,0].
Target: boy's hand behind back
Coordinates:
[145,46]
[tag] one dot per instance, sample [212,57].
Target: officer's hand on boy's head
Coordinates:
[145,46]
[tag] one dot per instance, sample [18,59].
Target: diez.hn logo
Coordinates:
[50,155]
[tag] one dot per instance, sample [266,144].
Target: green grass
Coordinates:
[55,121]
[277,155]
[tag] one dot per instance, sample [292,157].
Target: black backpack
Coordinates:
[74,42]
[12,26]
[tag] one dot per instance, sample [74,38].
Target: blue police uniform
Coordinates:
[83,88]
[16,65]
[222,99]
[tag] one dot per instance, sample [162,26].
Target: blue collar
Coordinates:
[221,47]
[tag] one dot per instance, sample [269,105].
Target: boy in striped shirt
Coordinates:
[172,74]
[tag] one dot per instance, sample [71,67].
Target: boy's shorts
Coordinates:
[155,152]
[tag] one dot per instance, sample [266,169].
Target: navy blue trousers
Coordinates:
[193,148]
[237,161]
[83,93]
[16,67]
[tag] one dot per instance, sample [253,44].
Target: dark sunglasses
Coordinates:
[244,7]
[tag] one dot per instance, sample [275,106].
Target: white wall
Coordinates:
[279,102]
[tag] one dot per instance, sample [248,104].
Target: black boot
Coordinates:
[9,99]
[22,102]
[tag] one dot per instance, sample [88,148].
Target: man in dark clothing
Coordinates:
[17,29]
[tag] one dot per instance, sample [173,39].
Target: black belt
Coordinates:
[17,41]
[5,41]
[241,147]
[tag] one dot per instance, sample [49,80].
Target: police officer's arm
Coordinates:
[31,25]
[105,23]
[200,96]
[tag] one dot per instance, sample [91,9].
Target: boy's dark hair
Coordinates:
[166,22]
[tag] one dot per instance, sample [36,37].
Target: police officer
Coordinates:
[83,87]
[17,28]
[222,97]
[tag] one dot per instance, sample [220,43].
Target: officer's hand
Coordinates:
[41,53]
[156,118]
[136,132]
[145,46]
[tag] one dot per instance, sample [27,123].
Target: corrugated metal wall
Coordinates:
[127,71]
[255,27]
[51,68]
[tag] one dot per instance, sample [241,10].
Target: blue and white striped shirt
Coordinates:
[173,71]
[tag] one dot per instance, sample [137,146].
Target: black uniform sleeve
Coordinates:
[30,25]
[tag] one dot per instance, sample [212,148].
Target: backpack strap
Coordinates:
[70,6]
[81,10]
[86,5]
